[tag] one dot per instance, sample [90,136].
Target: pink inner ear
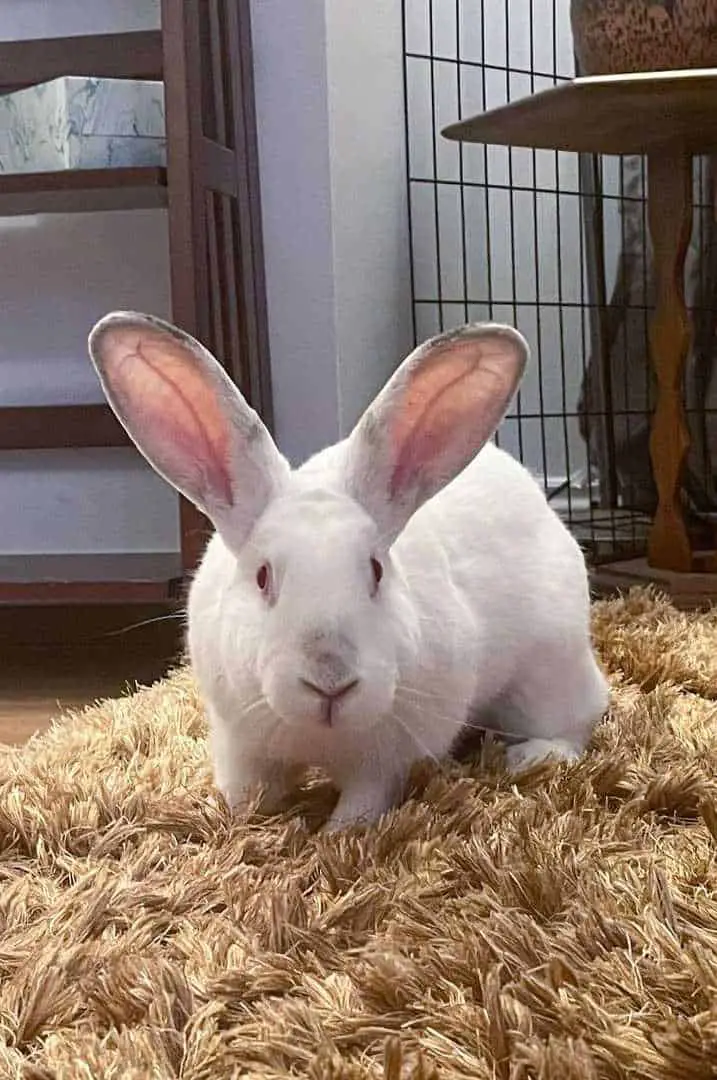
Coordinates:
[431,416]
[172,410]
[452,405]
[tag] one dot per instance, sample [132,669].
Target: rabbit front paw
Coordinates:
[524,754]
[264,792]
[362,805]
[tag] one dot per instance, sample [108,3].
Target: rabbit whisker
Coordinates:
[467,723]
[256,704]
[145,622]
[414,692]
[414,738]
[424,709]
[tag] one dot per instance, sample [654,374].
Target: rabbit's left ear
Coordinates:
[189,420]
[430,420]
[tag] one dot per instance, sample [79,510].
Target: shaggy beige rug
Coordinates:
[564,926]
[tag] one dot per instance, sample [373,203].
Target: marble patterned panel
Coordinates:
[82,123]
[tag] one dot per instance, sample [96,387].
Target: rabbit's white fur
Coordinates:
[482,615]
[488,610]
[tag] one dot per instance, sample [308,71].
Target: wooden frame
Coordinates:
[89,579]
[132,55]
[77,191]
[217,263]
[57,427]
[216,253]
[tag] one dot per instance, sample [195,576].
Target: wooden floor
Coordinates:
[54,659]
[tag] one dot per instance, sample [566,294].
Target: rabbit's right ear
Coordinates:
[430,420]
[187,417]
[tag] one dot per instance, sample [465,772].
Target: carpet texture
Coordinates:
[563,926]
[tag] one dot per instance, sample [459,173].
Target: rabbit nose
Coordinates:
[332,692]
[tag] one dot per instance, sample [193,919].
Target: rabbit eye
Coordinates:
[262,578]
[377,569]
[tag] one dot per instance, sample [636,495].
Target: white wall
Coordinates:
[369,197]
[21,19]
[293,130]
[58,275]
[329,89]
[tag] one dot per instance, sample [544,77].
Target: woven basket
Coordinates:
[614,36]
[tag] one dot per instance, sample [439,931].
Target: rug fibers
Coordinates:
[563,925]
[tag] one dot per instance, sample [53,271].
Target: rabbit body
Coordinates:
[489,618]
[358,612]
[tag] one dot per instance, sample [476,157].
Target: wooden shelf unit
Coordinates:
[58,427]
[120,578]
[73,191]
[136,54]
[210,188]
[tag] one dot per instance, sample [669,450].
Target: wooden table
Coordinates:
[669,117]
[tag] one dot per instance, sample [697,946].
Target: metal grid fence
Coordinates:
[556,244]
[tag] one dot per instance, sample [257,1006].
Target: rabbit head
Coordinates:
[306,602]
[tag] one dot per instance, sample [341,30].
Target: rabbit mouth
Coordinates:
[327,712]
[327,715]
[328,695]
[311,701]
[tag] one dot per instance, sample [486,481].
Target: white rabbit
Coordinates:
[357,613]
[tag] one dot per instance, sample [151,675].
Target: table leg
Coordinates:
[670,218]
